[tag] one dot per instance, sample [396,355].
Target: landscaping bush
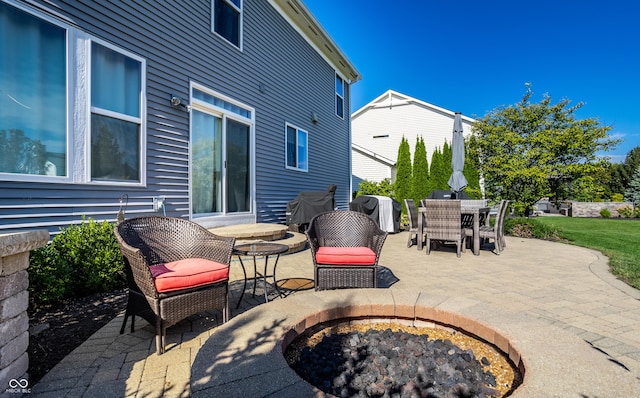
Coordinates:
[382,188]
[605,213]
[49,276]
[524,227]
[626,211]
[617,197]
[81,260]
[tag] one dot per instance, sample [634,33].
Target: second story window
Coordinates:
[226,20]
[339,96]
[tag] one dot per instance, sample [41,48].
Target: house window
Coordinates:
[297,148]
[67,114]
[339,96]
[33,106]
[226,20]
[115,115]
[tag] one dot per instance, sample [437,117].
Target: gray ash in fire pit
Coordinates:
[384,363]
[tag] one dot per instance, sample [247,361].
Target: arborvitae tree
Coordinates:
[447,154]
[437,175]
[404,181]
[632,194]
[420,171]
[472,171]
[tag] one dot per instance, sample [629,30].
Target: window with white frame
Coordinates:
[297,148]
[33,106]
[115,115]
[226,20]
[339,96]
[50,119]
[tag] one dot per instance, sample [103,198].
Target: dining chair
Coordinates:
[496,232]
[443,223]
[175,268]
[413,222]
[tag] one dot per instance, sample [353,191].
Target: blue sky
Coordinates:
[475,56]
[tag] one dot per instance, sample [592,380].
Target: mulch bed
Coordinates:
[57,330]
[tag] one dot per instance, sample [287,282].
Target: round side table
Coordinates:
[265,250]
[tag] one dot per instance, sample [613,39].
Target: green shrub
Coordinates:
[382,188]
[49,276]
[81,260]
[605,213]
[617,197]
[626,211]
[524,227]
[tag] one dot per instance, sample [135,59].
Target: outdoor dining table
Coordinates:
[477,212]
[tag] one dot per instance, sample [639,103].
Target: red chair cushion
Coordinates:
[187,273]
[345,255]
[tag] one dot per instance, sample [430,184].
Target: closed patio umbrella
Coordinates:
[457,181]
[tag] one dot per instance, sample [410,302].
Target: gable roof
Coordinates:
[299,16]
[391,98]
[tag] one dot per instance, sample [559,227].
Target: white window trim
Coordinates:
[286,164]
[141,120]
[241,23]
[223,218]
[78,117]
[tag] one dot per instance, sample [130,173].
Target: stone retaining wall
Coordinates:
[592,209]
[14,300]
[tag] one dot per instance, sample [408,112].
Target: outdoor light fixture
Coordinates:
[314,118]
[179,102]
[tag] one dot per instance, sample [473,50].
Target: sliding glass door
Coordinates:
[221,155]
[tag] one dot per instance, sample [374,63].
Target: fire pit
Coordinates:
[244,357]
[349,358]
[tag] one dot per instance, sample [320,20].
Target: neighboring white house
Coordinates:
[377,129]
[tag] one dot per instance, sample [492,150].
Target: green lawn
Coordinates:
[618,239]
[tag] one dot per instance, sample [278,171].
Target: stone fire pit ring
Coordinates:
[244,357]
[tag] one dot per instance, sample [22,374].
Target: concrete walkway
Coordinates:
[544,295]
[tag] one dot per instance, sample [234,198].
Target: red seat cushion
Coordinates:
[188,273]
[345,255]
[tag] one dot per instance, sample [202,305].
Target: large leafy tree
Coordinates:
[404,181]
[528,150]
[420,171]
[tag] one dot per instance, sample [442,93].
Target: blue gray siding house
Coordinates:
[219,111]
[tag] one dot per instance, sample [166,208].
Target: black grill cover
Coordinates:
[307,204]
[445,194]
[369,205]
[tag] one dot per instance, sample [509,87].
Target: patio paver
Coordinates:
[546,295]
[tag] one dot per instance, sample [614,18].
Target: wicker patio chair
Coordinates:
[413,222]
[175,268]
[496,232]
[345,248]
[443,223]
